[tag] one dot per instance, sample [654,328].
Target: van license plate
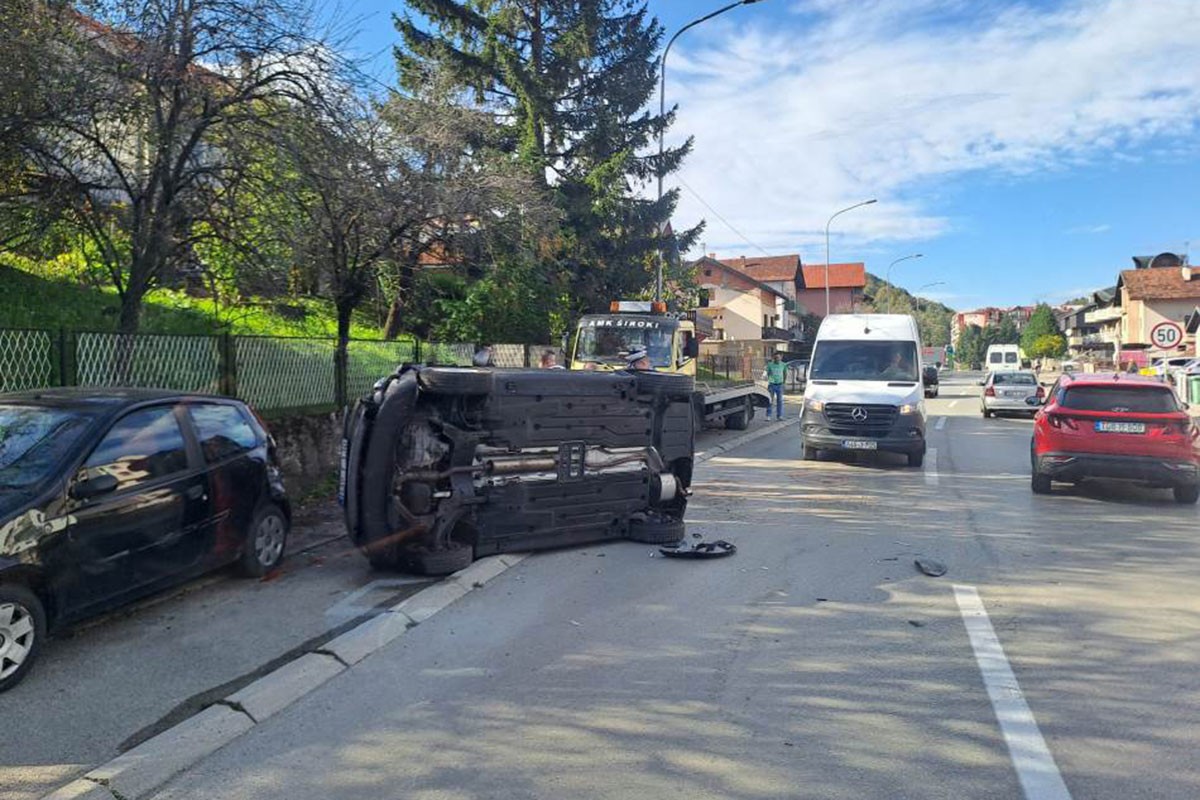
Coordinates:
[1121,427]
[860,444]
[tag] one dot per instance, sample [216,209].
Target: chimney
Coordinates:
[1187,273]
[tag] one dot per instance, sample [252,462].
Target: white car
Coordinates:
[1011,392]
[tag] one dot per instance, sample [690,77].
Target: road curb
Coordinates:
[738,441]
[146,768]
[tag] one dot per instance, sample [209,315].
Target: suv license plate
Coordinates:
[1121,427]
[860,444]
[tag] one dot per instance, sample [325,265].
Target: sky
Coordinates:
[1026,150]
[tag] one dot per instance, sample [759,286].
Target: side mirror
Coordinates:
[86,490]
[691,348]
[1033,401]
[981,383]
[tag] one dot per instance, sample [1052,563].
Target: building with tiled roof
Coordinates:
[1151,296]
[741,307]
[847,281]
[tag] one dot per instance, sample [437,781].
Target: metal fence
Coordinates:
[269,372]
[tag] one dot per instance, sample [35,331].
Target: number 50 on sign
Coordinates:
[1166,335]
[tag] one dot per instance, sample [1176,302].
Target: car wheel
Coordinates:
[987,414]
[739,421]
[809,453]
[438,562]
[1039,483]
[1187,494]
[265,542]
[916,459]
[22,630]
[454,380]
[665,383]
[656,529]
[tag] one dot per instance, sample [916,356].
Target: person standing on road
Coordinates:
[776,373]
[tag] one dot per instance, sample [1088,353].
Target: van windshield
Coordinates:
[853,360]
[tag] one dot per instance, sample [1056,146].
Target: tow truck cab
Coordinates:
[603,341]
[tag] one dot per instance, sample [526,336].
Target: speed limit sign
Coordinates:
[1166,335]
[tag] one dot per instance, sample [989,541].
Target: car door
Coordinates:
[236,463]
[137,534]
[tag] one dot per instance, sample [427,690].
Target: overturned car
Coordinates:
[441,465]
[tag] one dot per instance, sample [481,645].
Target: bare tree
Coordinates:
[133,145]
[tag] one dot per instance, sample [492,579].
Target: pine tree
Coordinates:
[569,81]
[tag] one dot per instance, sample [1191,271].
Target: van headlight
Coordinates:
[816,406]
[910,408]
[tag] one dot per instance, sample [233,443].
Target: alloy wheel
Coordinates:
[16,637]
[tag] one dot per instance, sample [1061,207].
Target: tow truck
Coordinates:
[672,340]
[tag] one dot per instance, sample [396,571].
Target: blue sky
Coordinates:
[1026,149]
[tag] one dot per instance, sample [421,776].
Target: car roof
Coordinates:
[99,399]
[1113,379]
[860,327]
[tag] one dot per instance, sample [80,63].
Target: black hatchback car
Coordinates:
[107,495]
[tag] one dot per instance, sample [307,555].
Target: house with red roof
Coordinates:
[847,281]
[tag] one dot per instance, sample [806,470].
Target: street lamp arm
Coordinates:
[827,224]
[888,278]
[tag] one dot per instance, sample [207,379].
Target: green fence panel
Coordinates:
[276,372]
[26,360]
[368,361]
[178,363]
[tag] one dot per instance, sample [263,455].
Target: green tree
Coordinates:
[569,82]
[1006,332]
[1052,345]
[1041,323]
[971,347]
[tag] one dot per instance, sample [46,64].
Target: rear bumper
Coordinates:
[1013,405]
[1142,469]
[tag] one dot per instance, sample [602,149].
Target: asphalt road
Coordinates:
[817,662]
[111,683]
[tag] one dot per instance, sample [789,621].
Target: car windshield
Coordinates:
[864,361]
[34,440]
[1149,400]
[611,340]
[1014,379]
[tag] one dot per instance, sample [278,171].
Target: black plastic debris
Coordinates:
[718,549]
[934,569]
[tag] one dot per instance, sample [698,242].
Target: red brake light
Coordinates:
[989,392]
[1059,421]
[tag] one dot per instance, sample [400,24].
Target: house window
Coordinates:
[708,273]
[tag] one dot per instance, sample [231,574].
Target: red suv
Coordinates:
[1125,427]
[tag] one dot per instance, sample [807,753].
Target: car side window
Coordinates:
[141,447]
[223,430]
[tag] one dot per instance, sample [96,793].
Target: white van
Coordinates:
[864,387]
[1003,358]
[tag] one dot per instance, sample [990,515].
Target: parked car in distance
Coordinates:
[107,495]
[929,377]
[1124,427]
[1010,392]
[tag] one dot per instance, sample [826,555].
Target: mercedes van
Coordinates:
[864,387]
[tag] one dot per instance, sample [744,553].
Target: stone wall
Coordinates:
[308,450]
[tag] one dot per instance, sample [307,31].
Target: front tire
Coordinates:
[739,421]
[916,459]
[986,414]
[1187,494]
[438,562]
[22,630]
[809,453]
[266,541]
[1039,483]
[657,530]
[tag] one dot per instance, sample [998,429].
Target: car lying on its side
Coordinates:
[107,495]
[1123,427]
[442,465]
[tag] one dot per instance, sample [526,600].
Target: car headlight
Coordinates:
[816,405]
[909,408]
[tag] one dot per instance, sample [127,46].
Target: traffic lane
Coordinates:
[112,682]
[814,663]
[1094,594]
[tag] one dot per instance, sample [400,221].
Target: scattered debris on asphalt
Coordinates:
[916,623]
[934,569]
[686,549]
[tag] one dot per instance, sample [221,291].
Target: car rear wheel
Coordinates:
[22,629]
[1187,494]
[265,542]
[1039,483]
[438,562]
[657,529]
[455,380]
[987,414]
[916,459]
[739,421]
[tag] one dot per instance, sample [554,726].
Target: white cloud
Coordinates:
[1090,229]
[885,98]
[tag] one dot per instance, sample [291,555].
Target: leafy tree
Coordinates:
[1052,345]
[971,347]
[1041,323]
[1006,332]
[569,81]
[128,142]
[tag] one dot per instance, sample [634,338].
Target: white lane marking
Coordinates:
[931,473]
[941,423]
[953,403]
[1031,757]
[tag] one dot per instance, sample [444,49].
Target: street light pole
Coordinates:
[662,110]
[827,224]
[888,279]
[926,286]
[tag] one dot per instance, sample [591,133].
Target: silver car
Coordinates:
[1011,393]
